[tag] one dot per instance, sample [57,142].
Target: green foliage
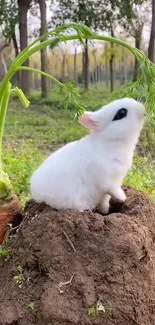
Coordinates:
[20,162]
[24,101]
[20,269]
[97,309]
[92,311]
[98,15]
[4,252]
[142,175]
[31,305]
[88,12]
[128,9]
[19,278]
[5,185]
[147,139]
[8,16]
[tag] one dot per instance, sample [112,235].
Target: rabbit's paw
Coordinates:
[118,194]
[104,205]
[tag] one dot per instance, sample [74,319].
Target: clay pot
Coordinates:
[8,209]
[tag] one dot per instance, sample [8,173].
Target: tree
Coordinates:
[133,16]
[94,53]
[44,57]
[103,15]
[111,62]
[75,60]
[123,62]
[88,12]
[3,67]
[152,35]
[110,23]
[86,66]
[23,6]
[8,21]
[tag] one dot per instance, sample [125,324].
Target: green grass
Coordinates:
[142,175]
[20,162]
[31,134]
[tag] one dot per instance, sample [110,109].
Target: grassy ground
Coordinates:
[31,134]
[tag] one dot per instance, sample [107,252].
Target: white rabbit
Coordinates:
[84,174]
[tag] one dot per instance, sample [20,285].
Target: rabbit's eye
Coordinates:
[121,113]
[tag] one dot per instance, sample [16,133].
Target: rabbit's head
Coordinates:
[120,119]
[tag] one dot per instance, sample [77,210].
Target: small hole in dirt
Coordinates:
[35,265]
[116,206]
[15,322]
[17,219]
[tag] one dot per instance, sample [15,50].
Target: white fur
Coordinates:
[84,174]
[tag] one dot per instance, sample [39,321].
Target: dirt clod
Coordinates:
[82,268]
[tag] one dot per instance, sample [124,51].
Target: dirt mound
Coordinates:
[70,268]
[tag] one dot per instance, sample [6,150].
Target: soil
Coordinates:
[109,261]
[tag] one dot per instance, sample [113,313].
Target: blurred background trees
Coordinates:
[95,64]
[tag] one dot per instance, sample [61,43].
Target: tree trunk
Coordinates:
[3,67]
[106,72]
[83,67]
[75,64]
[68,67]
[56,70]
[95,68]
[111,63]
[44,57]
[136,66]
[23,6]
[100,74]
[86,67]
[92,77]
[114,71]
[152,34]
[15,44]
[35,77]
[63,67]
[106,66]
[111,72]
[124,70]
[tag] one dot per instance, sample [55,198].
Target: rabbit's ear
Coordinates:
[87,120]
